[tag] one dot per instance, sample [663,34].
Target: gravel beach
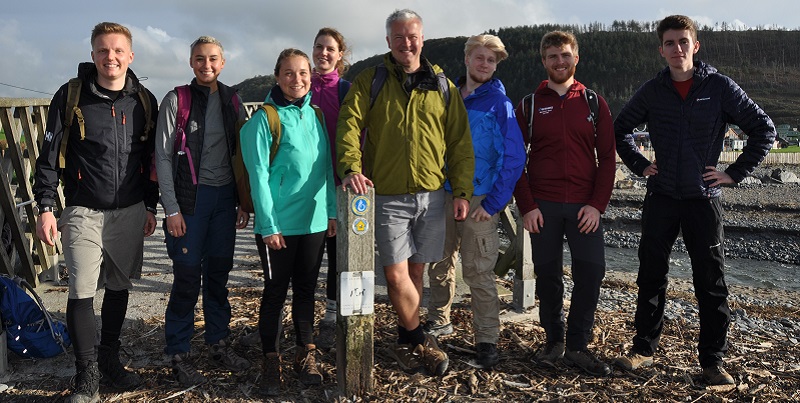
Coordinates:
[762,222]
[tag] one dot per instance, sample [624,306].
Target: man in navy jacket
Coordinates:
[687,108]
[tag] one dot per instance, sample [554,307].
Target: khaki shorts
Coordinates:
[410,227]
[111,238]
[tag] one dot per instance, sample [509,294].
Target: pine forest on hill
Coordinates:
[616,60]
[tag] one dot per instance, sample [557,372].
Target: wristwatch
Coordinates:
[43,209]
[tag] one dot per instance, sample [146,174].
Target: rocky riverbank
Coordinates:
[762,220]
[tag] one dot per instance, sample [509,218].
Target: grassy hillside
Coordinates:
[616,60]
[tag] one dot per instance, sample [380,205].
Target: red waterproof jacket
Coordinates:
[569,162]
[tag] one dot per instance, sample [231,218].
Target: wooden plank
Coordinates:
[355,246]
[13,136]
[524,277]
[49,266]
[14,102]
[17,234]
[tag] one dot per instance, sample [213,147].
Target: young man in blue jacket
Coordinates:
[499,157]
[687,108]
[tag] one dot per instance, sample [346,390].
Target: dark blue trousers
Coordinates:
[203,257]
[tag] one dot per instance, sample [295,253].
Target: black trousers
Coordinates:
[588,270]
[299,264]
[700,222]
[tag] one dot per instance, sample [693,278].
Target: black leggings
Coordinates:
[299,263]
[333,276]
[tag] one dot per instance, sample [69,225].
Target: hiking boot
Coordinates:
[222,355]
[271,376]
[185,373]
[437,330]
[434,359]
[87,383]
[409,357]
[112,372]
[305,364]
[549,353]
[633,360]
[487,355]
[717,375]
[252,339]
[326,339]
[585,360]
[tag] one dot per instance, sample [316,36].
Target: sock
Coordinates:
[402,335]
[82,328]
[416,336]
[330,311]
[112,316]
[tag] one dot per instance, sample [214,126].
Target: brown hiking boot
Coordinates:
[409,357]
[434,359]
[222,355]
[633,360]
[717,375]
[585,360]
[271,375]
[305,364]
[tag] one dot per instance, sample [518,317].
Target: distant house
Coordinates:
[735,138]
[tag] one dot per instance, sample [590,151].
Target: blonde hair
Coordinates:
[104,28]
[206,39]
[490,42]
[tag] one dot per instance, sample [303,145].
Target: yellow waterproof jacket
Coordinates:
[413,140]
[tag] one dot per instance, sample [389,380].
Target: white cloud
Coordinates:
[42,46]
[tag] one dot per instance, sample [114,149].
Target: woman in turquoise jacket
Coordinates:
[295,208]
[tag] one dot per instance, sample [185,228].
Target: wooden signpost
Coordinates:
[355,250]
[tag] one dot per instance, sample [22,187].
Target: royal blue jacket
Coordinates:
[687,135]
[497,142]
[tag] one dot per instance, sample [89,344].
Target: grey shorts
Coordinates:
[113,238]
[410,227]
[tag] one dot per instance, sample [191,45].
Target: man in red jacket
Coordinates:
[564,192]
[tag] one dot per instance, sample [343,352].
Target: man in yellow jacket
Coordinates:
[417,136]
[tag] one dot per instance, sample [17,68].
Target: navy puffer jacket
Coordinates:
[687,135]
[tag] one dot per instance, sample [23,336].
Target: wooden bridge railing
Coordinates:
[23,122]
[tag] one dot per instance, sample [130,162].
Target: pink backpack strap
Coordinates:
[181,119]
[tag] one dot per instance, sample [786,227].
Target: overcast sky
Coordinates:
[41,43]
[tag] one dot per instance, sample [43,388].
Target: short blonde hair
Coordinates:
[490,42]
[105,28]
[206,39]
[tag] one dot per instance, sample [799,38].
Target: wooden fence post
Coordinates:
[355,251]
[524,278]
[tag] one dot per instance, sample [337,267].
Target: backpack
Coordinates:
[72,110]
[31,331]
[528,106]
[381,72]
[239,170]
[343,86]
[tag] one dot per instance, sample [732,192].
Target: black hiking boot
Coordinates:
[87,383]
[112,372]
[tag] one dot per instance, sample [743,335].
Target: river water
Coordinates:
[745,272]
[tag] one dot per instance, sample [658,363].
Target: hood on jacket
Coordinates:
[87,72]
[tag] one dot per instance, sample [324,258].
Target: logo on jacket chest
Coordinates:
[545,110]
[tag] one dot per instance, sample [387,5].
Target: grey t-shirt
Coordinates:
[215,163]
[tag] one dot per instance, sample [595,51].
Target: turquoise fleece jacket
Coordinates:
[295,194]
